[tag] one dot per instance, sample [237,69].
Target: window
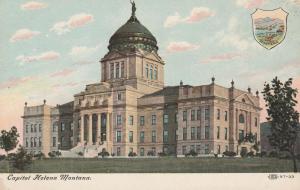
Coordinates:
[176,134]
[206,149]
[62,127]
[54,128]
[166,118]
[147,71]
[142,137]
[142,152]
[206,114]
[40,141]
[206,132]
[142,120]
[183,149]
[241,134]
[193,115]
[26,142]
[192,148]
[54,141]
[241,118]
[193,133]
[219,149]
[34,142]
[176,115]
[35,128]
[165,139]
[112,71]
[155,73]
[218,132]
[153,120]
[226,131]
[151,72]
[31,128]
[119,136]
[198,133]
[154,151]
[119,96]
[118,151]
[218,114]
[153,136]
[26,128]
[225,115]
[184,133]
[117,70]
[184,115]
[31,142]
[130,136]
[130,120]
[226,148]
[199,114]
[198,148]
[122,69]
[255,122]
[119,120]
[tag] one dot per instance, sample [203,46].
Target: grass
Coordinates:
[157,165]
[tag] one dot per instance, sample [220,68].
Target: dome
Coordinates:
[133,35]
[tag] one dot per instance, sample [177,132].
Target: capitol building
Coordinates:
[131,109]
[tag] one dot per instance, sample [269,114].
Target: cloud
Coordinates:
[33,5]
[23,34]
[62,73]
[196,15]
[46,56]
[83,51]
[221,57]
[74,21]
[181,46]
[250,4]
[13,82]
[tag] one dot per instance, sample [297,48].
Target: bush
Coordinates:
[54,154]
[284,155]
[229,153]
[132,154]
[273,154]
[39,156]
[2,157]
[250,154]
[80,153]
[150,153]
[112,154]
[21,159]
[103,153]
[162,154]
[191,153]
[262,154]
[243,152]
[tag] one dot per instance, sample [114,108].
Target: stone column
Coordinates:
[108,127]
[99,129]
[90,131]
[82,130]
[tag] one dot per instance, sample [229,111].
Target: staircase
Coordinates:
[88,151]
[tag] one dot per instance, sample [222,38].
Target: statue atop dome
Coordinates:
[133,8]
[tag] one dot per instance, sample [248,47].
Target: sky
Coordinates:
[51,49]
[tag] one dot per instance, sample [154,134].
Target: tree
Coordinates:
[21,159]
[280,101]
[9,139]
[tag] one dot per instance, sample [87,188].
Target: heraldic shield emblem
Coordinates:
[269,26]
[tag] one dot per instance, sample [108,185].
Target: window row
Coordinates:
[242,120]
[33,128]
[33,142]
[196,114]
[197,148]
[219,115]
[63,127]
[151,72]
[117,70]
[142,119]
[196,133]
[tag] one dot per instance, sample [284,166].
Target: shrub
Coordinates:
[229,153]
[54,154]
[243,152]
[39,156]
[103,153]
[250,154]
[162,154]
[284,155]
[21,159]
[112,154]
[80,153]
[132,154]
[273,154]
[191,153]
[150,153]
[2,157]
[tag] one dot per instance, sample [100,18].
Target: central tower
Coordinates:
[132,58]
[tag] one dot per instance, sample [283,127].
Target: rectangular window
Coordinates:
[226,131]
[206,132]
[40,142]
[154,151]
[142,120]
[184,133]
[130,136]
[118,151]
[112,71]
[165,139]
[198,133]
[198,149]
[26,142]
[130,120]
[218,132]
[155,73]
[206,114]
[219,149]
[206,149]
[142,152]
[166,118]
[192,148]
[117,70]
[193,133]
[119,120]
[26,128]
[241,134]
[226,148]
[199,114]
[255,122]
[153,136]
[54,128]
[183,150]
[176,115]
[142,137]
[218,114]
[176,134]
[54,141]
[193,115]
[119,136]
[184,115]
[225,115]
[153,120]
[119,96]
[31,128]
[62,126]
[35,128]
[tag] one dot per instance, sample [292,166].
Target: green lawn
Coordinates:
[161,165]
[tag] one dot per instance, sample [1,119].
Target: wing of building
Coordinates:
[131,110]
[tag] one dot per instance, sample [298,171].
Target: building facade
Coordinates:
[131,110]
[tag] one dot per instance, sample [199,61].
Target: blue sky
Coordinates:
[51,49]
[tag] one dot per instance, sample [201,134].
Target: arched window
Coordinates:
[147,71]
[117,70]
[151,72]
[241,118]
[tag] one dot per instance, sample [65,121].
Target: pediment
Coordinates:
[245,98]
[113,55]
[153,56]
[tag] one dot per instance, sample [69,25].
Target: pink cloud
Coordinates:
[23,34]
[46,56]
[13,82]
[33,5]
[250,4]
[221,57]
[196,15]
[62,73]
[70,84]
[181,46]
[74,21]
